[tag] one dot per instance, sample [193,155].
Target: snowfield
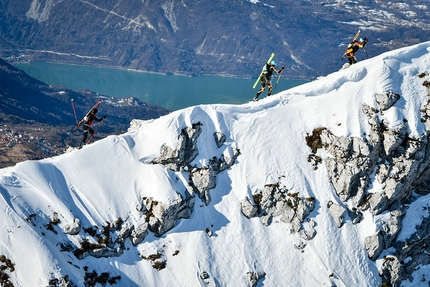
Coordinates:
[105,181]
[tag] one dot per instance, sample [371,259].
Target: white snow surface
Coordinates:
[105,181]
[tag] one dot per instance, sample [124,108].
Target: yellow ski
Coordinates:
[268,62]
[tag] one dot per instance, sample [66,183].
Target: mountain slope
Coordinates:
[162,172]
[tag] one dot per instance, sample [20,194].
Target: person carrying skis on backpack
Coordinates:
[353,48]
[265,78]
[87,125]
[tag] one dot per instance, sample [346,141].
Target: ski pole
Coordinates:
[367,55]
[279,77]
[74,111]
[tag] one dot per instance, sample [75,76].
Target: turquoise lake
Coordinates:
[169,91]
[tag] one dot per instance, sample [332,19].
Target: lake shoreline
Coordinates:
[151,72]
[169,91]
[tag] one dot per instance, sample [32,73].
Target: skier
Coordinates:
[353,48]
[87,125]
[265,78]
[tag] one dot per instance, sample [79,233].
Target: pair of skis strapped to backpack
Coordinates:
[262,70]
[85,118]
[348,49]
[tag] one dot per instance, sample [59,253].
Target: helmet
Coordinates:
[95,111]
[273,63]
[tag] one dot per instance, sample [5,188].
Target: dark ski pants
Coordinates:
[86,130]
[264,82]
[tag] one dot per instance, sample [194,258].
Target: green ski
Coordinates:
[268,62]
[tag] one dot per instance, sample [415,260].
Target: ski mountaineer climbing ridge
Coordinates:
[266,75]
[87,121]
[353,48]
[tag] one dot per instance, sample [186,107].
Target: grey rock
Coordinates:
[203,180]
[219,139]
[254,277]
[204,275]
[374,245]
[310,233]
[392,227]
[73,228]
[138,234]
[163,216]
[378,203]
[247,208]
[386,100]
[185,152]
[273,201]
[336,212]
[392,271]
[393,139]
[125,232]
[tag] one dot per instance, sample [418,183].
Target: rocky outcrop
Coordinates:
[386,100]
[337,212]
[73,228]
[139,234]
[374,245]
[185,151]
[275,201]
[161,217]
[400,164]
[202,179]
[254,277]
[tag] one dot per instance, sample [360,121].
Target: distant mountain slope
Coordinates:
[207,37]
[325,184]
[26,98]
[23,97]
[38,111]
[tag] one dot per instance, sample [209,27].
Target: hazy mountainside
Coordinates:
[207,37]
[34,109]
[325,184]
[25,98]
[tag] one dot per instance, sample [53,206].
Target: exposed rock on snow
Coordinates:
[202,179]
[161,217]
[337,212]
[73,228]
[402,164]
[219,139]
[275,201]
[374,245]
[254,277]
[386,100]
[392,270]
[185,152]
[139,234]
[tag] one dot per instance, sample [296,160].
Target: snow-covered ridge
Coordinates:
[88,211]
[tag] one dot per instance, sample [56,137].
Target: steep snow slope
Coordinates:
[106,180]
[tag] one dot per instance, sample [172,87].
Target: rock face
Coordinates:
[185,152]
[399,163]
[374,245]
[275,201]
[386,100]
[157,217]
[73,228]
[337,212]
[254,277]
[202,179]
[162,217]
